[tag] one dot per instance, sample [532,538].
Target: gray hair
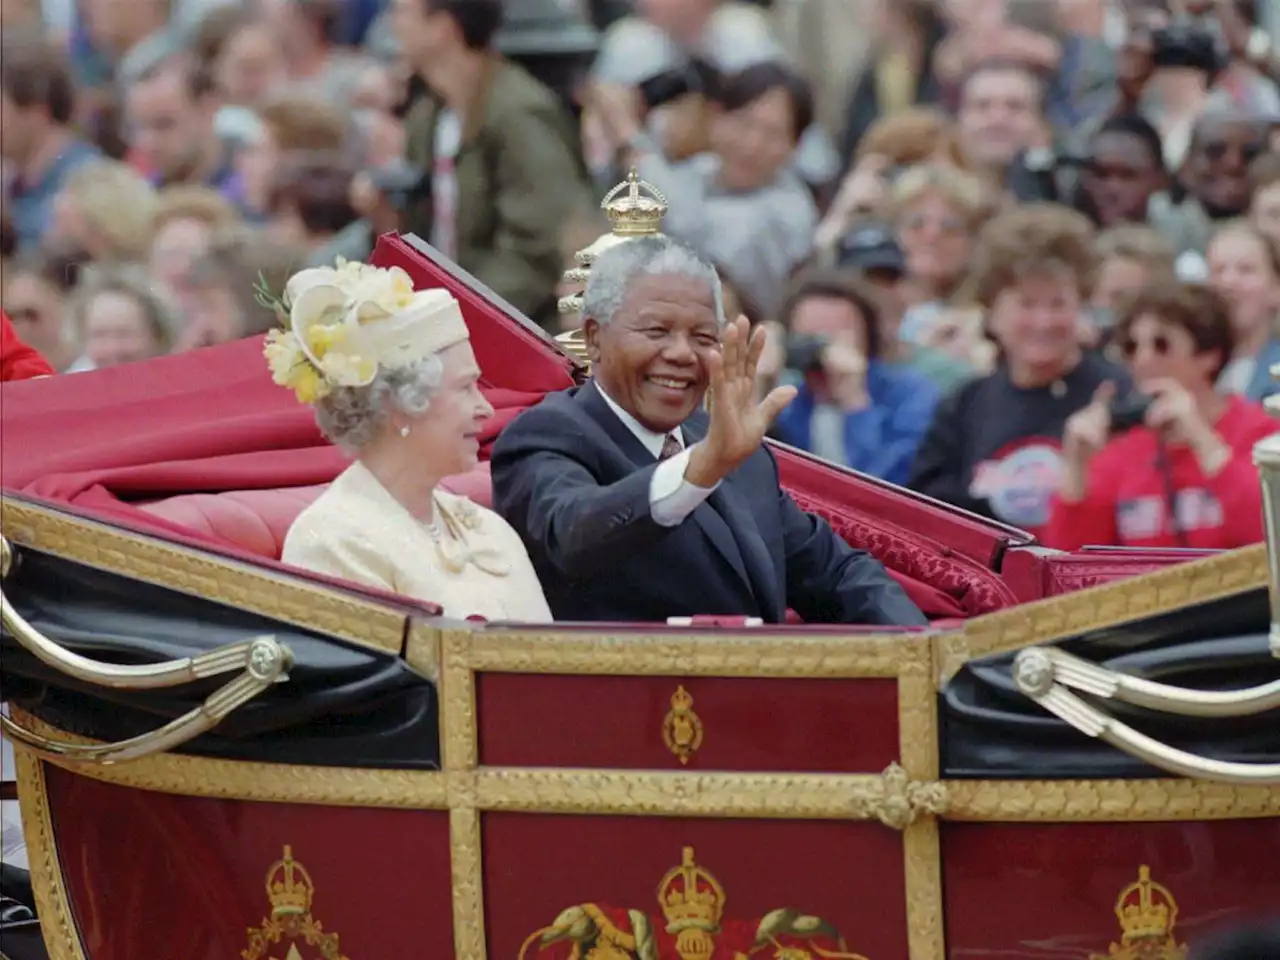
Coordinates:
[615,269]
[350,417]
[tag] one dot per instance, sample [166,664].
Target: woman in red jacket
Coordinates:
[1184,476]
[17,360]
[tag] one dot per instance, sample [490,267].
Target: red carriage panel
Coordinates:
[699,723]
[1131,891]
[161,876]
[553,884]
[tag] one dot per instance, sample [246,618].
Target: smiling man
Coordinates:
[635,504]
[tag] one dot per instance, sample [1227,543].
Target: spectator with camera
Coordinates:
[1170,466]
[1244,268]
[994,446]
[852,407]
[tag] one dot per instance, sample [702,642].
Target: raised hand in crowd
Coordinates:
[1174,412]
[1086,432]
[739,420]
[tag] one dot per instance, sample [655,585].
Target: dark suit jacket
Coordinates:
[574,482]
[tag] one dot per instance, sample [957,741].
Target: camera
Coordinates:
[1129,411]
[663,88]
[1186,43]
[804,353]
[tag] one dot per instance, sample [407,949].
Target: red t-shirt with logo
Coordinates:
[1126,501]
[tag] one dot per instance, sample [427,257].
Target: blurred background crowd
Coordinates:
[1019,255]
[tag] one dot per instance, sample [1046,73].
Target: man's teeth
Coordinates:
[673,384]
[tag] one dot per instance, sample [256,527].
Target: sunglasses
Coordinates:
[24,314]
[1159,344]
[1216,150]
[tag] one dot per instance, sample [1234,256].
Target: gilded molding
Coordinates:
[1118,801]
[467,863]
[48,883]
[888,797]
[748,653]
[459,738]
[918,713]
[922,860]
[192,571]
[422,649]
[1058,618]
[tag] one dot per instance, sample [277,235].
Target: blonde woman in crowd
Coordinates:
[892,145]
[1244,268]
[104,212]
[937,212]
[1264,208]
[119,318]
[185,222]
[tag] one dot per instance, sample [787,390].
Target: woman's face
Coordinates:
[446,437]
[249,67]
[174,248]
[212,316]
[38,312]
[1156,350]
[256,163]
[1119,279]
[935,238]
[1265,211]
[1240,270]
[1036,321]
[755,142]
[116,330]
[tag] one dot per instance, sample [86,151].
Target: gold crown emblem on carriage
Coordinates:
[692,900]
[1146,910]
[289,887]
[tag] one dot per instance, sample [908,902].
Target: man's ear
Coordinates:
[591,330]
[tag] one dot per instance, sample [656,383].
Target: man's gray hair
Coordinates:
[352,416]
[615,269]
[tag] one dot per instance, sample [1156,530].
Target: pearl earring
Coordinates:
[404,431]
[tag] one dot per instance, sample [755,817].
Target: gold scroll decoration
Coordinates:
[1148,914]
[681,727]
[290,892]
[692,926]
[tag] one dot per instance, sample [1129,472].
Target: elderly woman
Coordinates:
[394,382]
[118,317]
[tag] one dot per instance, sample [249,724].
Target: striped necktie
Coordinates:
[670,447]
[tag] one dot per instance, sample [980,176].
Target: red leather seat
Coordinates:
[257,520]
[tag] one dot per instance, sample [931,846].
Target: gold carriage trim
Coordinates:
[290,892]
[1148,914]
[681,727]
[692,901]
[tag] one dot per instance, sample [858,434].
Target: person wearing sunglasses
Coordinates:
[1169,466]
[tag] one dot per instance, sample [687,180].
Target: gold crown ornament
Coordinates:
[342,324]
[692,900]
[289,887]
[635,208]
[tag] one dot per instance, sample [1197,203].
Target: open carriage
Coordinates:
[222,757]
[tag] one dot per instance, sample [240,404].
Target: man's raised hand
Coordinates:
[738,422]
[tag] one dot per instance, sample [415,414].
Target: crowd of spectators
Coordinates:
[1022,256]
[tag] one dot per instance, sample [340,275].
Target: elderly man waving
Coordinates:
[635,504]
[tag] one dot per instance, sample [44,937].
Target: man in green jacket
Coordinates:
[498,150]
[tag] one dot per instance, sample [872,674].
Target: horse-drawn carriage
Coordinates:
[223,757]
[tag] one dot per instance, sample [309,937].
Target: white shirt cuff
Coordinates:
[671,497]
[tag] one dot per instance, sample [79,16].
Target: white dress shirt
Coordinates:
[671,497]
